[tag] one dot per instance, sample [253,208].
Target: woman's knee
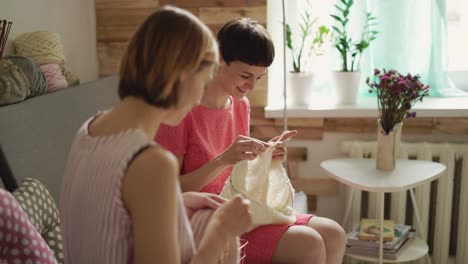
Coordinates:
[330,231]
[300,244]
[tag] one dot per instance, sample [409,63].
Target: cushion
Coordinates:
[20,242]
[42,211]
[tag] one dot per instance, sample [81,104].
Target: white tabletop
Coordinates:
[362,174]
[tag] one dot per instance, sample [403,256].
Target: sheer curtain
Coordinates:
[412,38]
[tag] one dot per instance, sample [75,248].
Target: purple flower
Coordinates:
[396,94]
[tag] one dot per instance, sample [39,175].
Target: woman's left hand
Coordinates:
[280,150]
[198,200]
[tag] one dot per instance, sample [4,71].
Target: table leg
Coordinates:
[418,220]
[348,207]
[382,209]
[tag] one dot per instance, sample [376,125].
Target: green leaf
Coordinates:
[337,30]
[337,18]
[346,13]
[339,8]
[288,37]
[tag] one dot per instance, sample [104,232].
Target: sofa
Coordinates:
[36,134]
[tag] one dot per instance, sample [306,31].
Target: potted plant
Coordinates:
[300,79]
[350,51]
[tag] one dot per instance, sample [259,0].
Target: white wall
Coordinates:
[74,20]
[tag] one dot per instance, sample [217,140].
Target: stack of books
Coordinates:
[364,239]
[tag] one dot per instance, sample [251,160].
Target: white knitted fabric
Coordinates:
[265,182]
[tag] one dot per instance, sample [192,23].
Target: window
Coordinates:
[457,29]
[457,42]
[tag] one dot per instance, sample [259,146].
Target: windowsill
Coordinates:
[367,107]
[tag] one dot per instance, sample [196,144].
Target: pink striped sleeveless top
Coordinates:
[96,226]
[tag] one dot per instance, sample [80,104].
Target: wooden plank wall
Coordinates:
[117,20]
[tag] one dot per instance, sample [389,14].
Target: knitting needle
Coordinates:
[5,36]
[7,33]
[2,29]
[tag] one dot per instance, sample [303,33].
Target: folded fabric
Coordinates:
[265,183]
[14,85]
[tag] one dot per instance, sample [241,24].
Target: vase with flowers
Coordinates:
[396,95]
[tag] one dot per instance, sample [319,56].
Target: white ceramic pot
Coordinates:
[346,87]
[299,88]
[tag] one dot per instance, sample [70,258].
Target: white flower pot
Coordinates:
[299,88]
[346,87]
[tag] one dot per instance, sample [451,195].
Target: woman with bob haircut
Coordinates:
[120,200]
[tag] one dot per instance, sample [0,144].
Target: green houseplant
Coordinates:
[350,51]
[309,41]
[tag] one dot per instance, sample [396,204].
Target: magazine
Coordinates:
[370,229]
[401,232]
[374,252]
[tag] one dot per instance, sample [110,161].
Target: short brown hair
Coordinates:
[169,41]
[245,40]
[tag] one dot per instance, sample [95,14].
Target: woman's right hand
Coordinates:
[243,148]
[234,216]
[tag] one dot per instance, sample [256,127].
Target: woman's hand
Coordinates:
[243,148]
[280,150]
[233,217]
[198,200]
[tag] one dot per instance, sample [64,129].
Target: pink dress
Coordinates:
[204,134]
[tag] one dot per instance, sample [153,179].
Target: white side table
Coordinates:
[362,174]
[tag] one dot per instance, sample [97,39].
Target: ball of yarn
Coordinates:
[55,79]
[71,78]
[14,85]
[42,47]
[36,78]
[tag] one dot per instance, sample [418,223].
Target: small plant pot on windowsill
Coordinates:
[299,88]
[346,87]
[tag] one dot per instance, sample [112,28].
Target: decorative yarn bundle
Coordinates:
[14,85]
[55,79]
[42,47]
[36,78]
[45,49]
[72,79]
